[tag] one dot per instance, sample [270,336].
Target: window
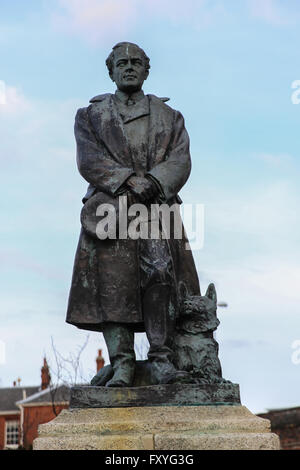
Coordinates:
[12,434]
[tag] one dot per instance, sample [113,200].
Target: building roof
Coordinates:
[280,410]
[9,397]
[49,395]
[283,417]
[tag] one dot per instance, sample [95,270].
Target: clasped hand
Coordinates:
[143,188]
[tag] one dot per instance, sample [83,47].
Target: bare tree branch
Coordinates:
[67,371]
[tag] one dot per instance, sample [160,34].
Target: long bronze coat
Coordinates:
[105,285]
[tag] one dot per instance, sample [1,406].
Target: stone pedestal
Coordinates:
[225,393]
[221,427]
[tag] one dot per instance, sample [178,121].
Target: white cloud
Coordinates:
[104,21]
[98,21]
[195,12]
[251,250]
[274,12]
[13,101]
[276,160]
[268,211]
[259,284]
[42,189]
[278,280]
[2,92]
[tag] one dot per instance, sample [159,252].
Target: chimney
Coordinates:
[45,374]
[99,360]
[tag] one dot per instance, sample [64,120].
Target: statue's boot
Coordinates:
[159,319]
[120,344]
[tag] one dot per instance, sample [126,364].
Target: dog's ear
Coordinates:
[211,293]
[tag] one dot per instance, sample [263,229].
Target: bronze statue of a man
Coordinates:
[134,144]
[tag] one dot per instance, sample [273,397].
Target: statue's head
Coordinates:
[128,66]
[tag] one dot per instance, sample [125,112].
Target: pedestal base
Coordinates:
[155,395]
[157,428]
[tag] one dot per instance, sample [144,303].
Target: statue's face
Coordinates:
[129,71]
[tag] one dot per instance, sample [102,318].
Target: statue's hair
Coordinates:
[110,58]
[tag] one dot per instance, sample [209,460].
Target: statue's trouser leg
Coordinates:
[160,325]
[120,344]
[158,307]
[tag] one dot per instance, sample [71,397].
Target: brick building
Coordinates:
[10,415]
[22,409]
[40,408]
[286,424]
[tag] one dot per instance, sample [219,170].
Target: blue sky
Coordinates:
[229,70]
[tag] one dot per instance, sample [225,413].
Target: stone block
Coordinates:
[157,428]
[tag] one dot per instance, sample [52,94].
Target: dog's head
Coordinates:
[199,313]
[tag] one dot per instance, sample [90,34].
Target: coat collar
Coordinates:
[126,99]
[131,112]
